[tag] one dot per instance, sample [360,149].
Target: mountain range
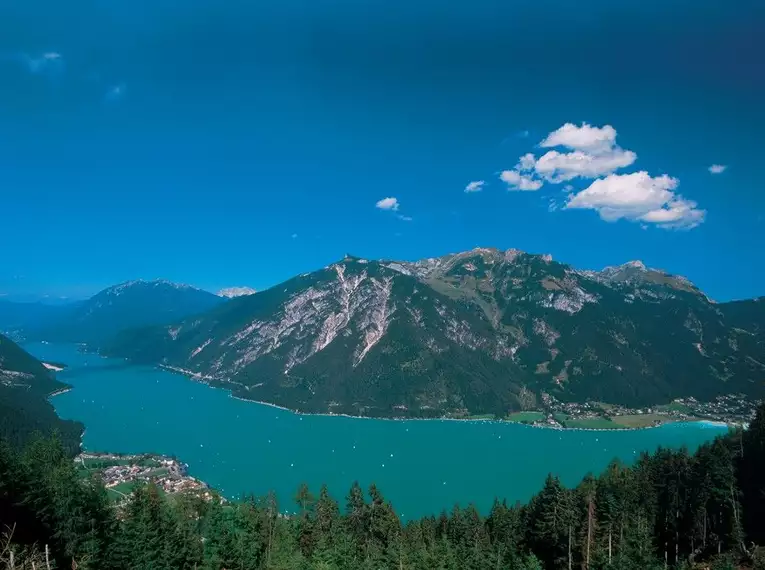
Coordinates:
[93,321]
[484,331]
[478,332]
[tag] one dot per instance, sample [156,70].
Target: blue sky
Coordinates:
[240,143]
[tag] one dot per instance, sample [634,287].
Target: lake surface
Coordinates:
[242,447]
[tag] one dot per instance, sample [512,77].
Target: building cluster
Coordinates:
[168,474]
[731,408]
[573,409]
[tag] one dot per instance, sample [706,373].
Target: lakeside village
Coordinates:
[731,409]
[121,473]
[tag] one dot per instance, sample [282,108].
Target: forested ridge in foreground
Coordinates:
[671,509]
[25,385]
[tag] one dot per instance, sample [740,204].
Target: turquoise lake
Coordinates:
[241,447]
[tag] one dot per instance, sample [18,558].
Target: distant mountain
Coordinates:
[17,318]
[25,385]
[484,331]
[232,292]
[131,304]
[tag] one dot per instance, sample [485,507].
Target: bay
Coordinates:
[421,466]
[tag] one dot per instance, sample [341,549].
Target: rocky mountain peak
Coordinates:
[465,331]
[144,283]
[231,292]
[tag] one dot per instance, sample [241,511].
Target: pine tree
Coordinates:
[547,524]
[306,524]
[752,477]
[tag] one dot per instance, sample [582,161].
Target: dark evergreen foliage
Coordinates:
[670,510]
[25,385]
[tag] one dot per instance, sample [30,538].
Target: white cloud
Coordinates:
[388,204]
[475,186]
[586,137]
[639,197]
[517,181]
[405,218]
[590,152]
[526,162]
[593,152]
[717,168]
[558,167]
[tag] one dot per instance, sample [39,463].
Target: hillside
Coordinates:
[25,385]
[131,304]
[484,331]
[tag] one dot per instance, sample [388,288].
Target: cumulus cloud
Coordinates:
[388,204]
[588,152]
[517,181]
[639,197]
[586,137]
[475,186]
[717,168]
[558,167]
[591,152]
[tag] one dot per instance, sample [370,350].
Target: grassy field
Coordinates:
[675,407]
[525,417]
[118,492]
[562,418]
[639,420]
[102,463]
[593,423]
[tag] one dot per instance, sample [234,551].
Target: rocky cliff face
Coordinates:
[475,332]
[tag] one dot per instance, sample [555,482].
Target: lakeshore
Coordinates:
[240,447]
[549,417]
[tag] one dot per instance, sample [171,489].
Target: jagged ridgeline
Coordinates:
[485,331]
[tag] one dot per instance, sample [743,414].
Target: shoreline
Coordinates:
[195,378]
[220,384]
[60,391]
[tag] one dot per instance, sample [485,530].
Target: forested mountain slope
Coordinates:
[25,385]
[484,331]
[132,304]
